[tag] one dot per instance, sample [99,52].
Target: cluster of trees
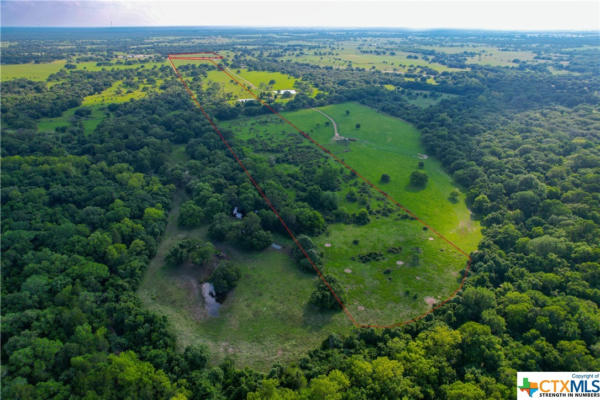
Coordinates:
[190,250]
[224,278]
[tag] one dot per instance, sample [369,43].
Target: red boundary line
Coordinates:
[172,57]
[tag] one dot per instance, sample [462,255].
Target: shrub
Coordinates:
[418,178]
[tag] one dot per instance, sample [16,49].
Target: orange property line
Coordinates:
[172,57]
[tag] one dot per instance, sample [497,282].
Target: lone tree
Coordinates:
[362,217]
[418,179]
[322,296]
[357,126]
[385,178]
[453,197]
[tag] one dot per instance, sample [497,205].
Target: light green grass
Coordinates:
[117,93]
[89,123]
[34,72]
[266,318]
[384,145]
[257,81]
[424,102]
[350,55]
[92,65]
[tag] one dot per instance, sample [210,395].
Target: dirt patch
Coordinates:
[348,271]
[418,278]
[361,308]
[430,300]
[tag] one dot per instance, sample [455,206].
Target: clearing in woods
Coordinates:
[391,269]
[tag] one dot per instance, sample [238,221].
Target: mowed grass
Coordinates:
[34,72]
[417,263]
[266,319]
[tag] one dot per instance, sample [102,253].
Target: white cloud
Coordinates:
[423,14]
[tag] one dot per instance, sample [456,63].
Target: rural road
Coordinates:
[336,135]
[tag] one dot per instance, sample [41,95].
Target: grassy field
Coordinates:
[89,123]
[40,72]
[257,81]
[117,93]
[266,319]
[417,98]
[350,55]
[416,264]
[92,65]
[34,72]
[384,145]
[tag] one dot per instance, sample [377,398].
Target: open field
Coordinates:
[266,319]
[118,93]
[384,145]
[92,65]
[34,72]
[89,123]
[413,263]
[258,81]
[349,55]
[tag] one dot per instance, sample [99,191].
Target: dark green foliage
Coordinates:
[385,178]
[190,215]
[362,217]
[194,251]
[310,249]
[323,298]
[250,235]
[454,195]
[418,179]
[225,278]
[351,196]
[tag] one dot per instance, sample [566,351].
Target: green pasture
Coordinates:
[118,93]
[384,145]
[68,118]
[34,72]
[266,319]
[92,65]
[350,55]
[392,289]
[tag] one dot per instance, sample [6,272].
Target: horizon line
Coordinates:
[522,30]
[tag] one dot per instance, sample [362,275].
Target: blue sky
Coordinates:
[422,14]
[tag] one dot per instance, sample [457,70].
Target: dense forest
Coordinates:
[83,211]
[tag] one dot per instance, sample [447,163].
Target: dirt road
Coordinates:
[336,135]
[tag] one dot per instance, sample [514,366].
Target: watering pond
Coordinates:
[210,300]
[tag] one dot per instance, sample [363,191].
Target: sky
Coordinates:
[423,14]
